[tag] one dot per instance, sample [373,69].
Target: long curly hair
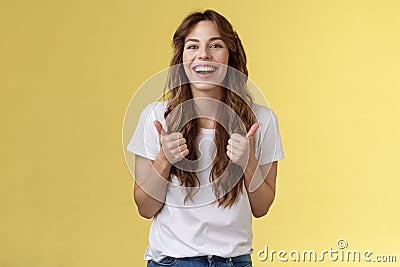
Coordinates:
[227,178]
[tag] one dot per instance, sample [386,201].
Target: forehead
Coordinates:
[203,30]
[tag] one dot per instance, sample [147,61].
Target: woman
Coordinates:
[205,158]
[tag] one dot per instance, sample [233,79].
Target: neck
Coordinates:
[207,105]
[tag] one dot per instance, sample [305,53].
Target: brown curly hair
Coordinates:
[235,96]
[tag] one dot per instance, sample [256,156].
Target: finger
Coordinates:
[159,128]
[229,154]
[185,152]
[175,137]
[237,144]
[180,155]
[237,136]
[171,144]
[182,148]
[178,150]
[181,141]
[253,129]
[238,141]
[232,151]
[232,156]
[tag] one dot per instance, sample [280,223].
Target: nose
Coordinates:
[204,53]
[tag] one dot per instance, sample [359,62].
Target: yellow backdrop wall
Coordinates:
[329,70]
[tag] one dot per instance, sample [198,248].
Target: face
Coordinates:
[205,58]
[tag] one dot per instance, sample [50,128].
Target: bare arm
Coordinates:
[150,184]
[259,180]
[260,184]
[151,177]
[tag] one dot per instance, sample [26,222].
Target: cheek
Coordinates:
[186,57]
[224,57]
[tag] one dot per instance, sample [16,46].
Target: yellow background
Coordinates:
[329,69]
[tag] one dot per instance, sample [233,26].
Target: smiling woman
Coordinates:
[206,139]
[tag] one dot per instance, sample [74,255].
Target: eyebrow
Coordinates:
[211,39]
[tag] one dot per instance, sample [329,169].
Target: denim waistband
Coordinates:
[210,260]
[218,258]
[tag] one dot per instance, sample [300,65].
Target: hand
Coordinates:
[173,146]
[240,147]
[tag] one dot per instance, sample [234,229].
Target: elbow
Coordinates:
[147,206]
[143,209]
[145,214]
[262,211]
[260,214]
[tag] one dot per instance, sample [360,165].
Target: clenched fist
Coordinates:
[173,146]
[240,147]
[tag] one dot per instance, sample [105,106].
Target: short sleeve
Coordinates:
[268,143]
[144,141]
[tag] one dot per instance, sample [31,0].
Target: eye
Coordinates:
[216,46]
[192,46]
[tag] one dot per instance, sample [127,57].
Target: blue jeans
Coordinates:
[203,261]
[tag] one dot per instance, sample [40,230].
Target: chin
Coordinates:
[204,86]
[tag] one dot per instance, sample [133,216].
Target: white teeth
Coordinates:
[204,68]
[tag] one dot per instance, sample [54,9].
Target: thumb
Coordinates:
[159,128]
[253,129]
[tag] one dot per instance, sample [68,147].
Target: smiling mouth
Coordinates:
[204,70]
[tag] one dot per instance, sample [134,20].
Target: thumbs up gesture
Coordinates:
[240,147]
[173,146]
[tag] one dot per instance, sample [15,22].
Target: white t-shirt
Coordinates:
[200,227]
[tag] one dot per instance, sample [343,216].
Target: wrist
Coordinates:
[251,167]
[252,163]
[162,164]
